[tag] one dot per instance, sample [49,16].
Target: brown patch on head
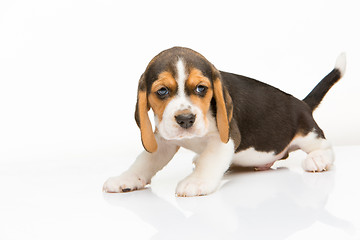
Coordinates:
[196,78]
[165,80]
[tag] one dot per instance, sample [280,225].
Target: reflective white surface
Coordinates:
[61,198]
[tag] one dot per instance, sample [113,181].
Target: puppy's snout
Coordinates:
[185,120]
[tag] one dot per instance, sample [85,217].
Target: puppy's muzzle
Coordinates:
[185,120]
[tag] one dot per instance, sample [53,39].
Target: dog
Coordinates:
[225,118]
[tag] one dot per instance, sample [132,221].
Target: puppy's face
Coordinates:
[179,85]
[181,102]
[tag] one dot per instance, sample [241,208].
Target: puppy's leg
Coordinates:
[142,170]
[210,166]
[320,153]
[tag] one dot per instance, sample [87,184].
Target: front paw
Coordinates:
[126,182]
[196,186]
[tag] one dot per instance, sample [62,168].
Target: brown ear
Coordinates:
[224,109]
[142,119]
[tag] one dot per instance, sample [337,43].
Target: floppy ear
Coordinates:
[142,118]
[224,109]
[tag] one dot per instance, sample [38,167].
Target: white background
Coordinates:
[69,70]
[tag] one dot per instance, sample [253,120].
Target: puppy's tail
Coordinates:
[314,98]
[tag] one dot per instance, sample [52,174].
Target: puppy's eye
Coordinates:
[200,90]
[162,92]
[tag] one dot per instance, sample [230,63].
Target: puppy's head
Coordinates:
[181,87]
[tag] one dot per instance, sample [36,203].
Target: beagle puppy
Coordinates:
[225,118]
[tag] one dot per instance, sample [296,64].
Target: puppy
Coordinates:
[226,119]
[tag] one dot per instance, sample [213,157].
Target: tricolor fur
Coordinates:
[227,119]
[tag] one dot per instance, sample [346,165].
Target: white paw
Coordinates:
[319,160]
[196,186]
[124,183]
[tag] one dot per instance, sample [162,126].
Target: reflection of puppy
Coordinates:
[223,117]
[279,208]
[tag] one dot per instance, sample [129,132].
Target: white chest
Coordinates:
[196,145]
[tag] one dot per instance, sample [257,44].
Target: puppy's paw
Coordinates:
[126,182]
[196,186]
[319,160]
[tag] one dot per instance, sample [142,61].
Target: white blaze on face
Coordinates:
[168,127]
[181,78]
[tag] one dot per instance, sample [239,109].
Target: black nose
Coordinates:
[185,120]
